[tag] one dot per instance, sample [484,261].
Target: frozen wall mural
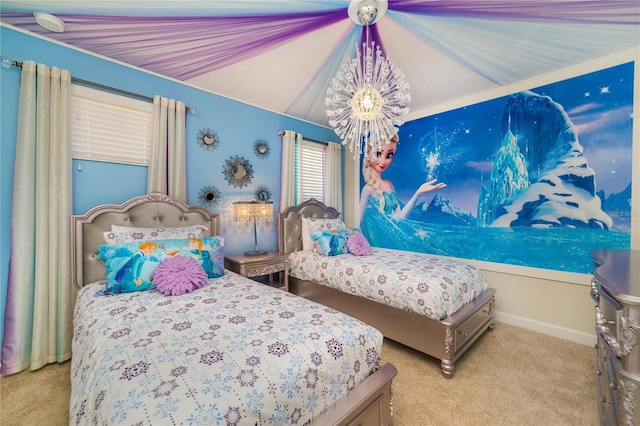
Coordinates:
[538,178]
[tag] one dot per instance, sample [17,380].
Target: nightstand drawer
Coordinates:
[269,264]
[251,270]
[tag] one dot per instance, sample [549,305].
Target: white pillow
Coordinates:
[312,224]
[128,234]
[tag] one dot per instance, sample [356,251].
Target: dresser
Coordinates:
[615,287]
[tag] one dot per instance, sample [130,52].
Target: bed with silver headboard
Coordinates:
[368,400]
[445,339]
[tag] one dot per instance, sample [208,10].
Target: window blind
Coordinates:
[312,170]
[110,127]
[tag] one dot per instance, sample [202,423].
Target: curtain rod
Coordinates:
[10,62]
[281,132]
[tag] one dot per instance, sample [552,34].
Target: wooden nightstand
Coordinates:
[254,266]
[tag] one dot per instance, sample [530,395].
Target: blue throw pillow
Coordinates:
[130,266]
[331,242]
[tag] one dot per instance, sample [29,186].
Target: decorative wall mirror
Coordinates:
[209,196]
[261,148]
[262,194]
[237,171]
[208,139]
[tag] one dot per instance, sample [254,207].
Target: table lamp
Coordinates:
[256,211]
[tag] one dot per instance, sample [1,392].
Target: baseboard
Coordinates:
[545,328]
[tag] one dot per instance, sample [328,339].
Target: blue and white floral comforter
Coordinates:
[416,282]
[234,352]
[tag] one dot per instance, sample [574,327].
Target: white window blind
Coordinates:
[312,170]
[110,127]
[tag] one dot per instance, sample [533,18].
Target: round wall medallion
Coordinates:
[209,196]
[237,171]
[262,194]
[208,139]
[261,148]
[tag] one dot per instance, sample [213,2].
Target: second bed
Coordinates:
[435,305]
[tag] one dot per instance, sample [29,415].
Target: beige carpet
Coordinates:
[511,376]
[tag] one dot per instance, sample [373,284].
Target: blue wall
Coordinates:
[238,126]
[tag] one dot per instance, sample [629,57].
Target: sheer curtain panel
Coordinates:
[168,167]
[38,313]
[290,179]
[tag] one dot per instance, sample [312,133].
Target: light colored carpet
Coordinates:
[510,376]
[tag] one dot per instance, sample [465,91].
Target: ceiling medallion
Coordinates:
[368,97]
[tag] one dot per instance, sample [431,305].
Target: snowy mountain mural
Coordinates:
[551,183]
[441,211]
[538,178]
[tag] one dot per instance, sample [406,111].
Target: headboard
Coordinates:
[290,225]
[152,210]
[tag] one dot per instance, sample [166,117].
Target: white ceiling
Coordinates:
[449,50]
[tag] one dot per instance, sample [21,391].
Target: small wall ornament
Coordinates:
[209,196]
[237,171]
[261,148]
[262,194]
[208,139]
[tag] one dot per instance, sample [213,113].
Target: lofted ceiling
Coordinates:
[281,54]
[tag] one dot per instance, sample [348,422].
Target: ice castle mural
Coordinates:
[551,183]
[523,193]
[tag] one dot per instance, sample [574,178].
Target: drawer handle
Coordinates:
[463,333]
[600,318]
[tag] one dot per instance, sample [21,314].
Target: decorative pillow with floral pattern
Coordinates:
[127,234]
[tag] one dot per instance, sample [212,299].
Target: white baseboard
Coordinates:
[550,329]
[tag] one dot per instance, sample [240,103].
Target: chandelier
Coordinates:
[367,99]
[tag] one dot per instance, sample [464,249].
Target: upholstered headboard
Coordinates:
[151,210]
[290,225]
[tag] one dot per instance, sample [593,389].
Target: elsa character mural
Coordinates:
[521,178]
[382,214]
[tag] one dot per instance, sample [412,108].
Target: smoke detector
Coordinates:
[49,22]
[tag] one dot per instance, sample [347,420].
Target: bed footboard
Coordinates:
[369,403]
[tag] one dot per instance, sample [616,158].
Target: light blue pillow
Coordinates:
[130,266]
[331,242]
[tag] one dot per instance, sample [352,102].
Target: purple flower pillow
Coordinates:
[358,245]
[179,275]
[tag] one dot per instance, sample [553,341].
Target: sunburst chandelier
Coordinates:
[368,97]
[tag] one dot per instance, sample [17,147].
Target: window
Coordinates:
[310,166]
[110,127]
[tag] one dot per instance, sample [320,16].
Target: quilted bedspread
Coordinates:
[416,282]
[234,352]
